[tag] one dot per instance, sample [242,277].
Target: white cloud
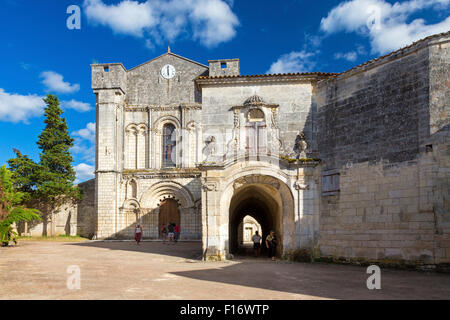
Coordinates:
[19,108]
[126,17]
[214,22]
[209,21]
[293,62]
[87,133]
[384,23]
[349,56]
[84,172]
[76,105]
[85,143]
[55,82]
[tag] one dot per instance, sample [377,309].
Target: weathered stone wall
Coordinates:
[71,218]
[86,215]
[225,67]
[293,115]
[147,86]
[439,172]
[375,124]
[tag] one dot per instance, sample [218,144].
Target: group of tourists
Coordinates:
[271,244]
[171,232]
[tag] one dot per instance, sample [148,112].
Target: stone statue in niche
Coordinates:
[209,151]
[300,146]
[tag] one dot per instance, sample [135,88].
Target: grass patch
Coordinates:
[61,237]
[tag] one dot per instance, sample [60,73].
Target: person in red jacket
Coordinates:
[177,232]
[138,233]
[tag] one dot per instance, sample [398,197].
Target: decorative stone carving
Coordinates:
[210,186]
[254,100]
[256,179]
[209,151]
[300,146]
[301,185]
[275,118]
[236,118]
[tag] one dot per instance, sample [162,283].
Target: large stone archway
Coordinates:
[266,198]
[262,193]
[261,202]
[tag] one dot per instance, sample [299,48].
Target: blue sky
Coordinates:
[41,55]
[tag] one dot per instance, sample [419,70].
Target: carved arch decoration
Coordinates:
[136,146]
[152,197]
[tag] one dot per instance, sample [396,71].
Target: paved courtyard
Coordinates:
[123,270]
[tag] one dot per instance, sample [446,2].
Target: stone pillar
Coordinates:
[109,85]
[214,231]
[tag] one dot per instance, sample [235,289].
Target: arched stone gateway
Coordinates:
[268,200]
[262,193]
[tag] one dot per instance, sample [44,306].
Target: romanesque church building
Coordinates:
[354,165]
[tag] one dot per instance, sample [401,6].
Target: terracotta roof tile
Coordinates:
[324,74]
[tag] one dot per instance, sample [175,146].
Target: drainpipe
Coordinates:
[207,223]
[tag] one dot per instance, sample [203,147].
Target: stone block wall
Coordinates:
[383,133]
[71,218]
[294,113]
[147,86]
[439,143]
[86,215]
[224,67]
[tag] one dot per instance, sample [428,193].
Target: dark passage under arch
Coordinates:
[256,202]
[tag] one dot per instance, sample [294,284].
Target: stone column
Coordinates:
[214,234]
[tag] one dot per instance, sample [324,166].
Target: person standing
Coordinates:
[256,243]
[271,244]
[177,232]
[138,233]
[171,233]
[164,233]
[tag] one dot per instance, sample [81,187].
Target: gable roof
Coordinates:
[171,54]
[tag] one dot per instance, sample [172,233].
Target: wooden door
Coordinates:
[168,213]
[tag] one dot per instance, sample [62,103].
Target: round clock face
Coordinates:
[168,71]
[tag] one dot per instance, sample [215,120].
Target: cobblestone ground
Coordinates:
[123,270]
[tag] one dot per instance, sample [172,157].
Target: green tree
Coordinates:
[55,177]
[12,209]
[24,174]
[50,182]
[57,174]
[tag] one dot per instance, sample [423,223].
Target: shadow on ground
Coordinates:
[319,280]
[184,249]
[313,280]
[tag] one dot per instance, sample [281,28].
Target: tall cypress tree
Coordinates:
[56,174]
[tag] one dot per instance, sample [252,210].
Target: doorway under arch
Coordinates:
[168,213]
[263,203]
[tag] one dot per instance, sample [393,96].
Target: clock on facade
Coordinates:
[168,71]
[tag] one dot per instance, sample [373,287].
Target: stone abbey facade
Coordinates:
[352,166]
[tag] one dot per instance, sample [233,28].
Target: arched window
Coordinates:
[256,134]
[169,146]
